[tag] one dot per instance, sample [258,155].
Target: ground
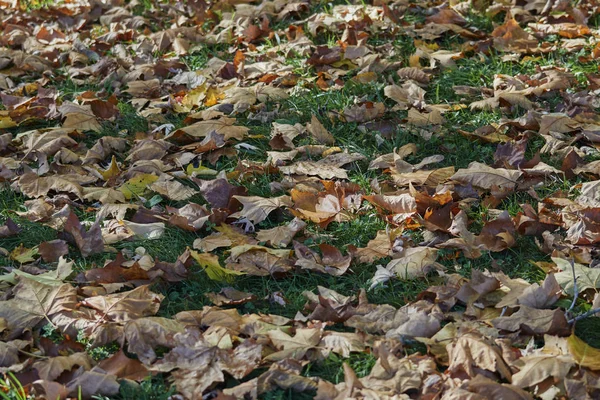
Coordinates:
[159,151]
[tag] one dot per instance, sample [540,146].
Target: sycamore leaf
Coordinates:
[43,300]
[51,278]
[415,263]
[587,278]
[125,306]
[80,117]
[144,334]
[33,185]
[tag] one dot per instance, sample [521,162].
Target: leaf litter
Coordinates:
[256,127]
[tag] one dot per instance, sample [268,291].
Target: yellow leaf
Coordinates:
[344,63]
[199,170]
[23,254]
[194,97]
[6,121]
[331,150]
[137,185]
[213,96]
[414,61]
[212,267]
[112,171]
[239,250]
[584,354]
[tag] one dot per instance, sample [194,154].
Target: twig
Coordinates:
[575,288]
[584,315]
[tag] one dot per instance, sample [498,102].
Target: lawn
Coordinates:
[311,199]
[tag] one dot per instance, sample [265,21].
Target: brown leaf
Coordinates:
[51,251]
[9,229]
[534,369]
[53,367]
[377,248]
[471,355]
[331,262]
[259,261]
[89,242]
[122,307]
[366,111]
[281,236]
[79,117]
[532,321]
[490,389]
[218,192]
[172,189]
[145,334]
[329,305]
[296,346]
[313,168]
[230,297]
[257,209]
[124,367]
[318,132]
[483,176]
[93,383]
[33,185]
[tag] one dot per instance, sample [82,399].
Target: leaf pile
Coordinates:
[260,131]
